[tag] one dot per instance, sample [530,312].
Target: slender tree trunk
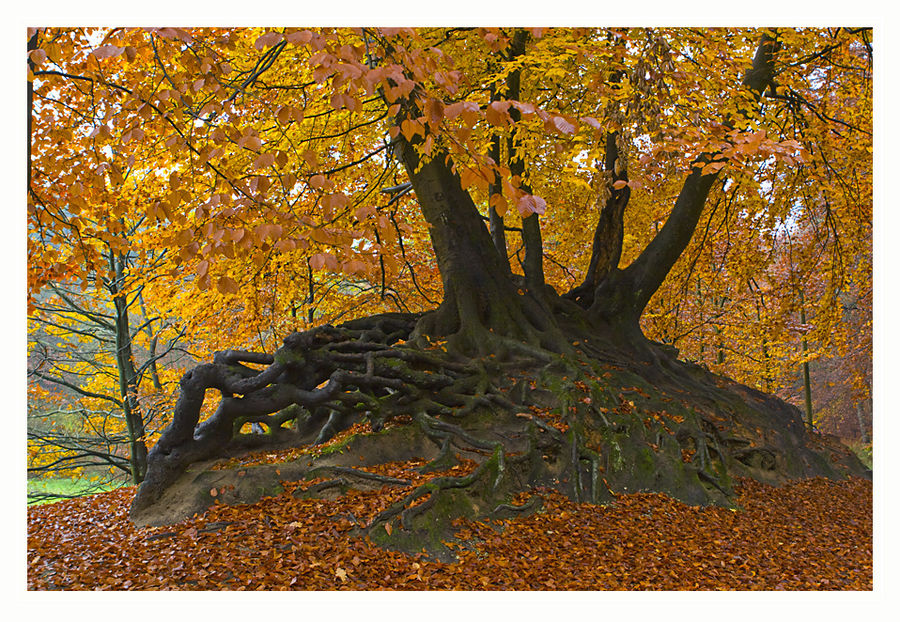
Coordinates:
[154,342]
[861,422]
[807,388]
[720,346]
[533,265]
[128,380]
[311,297]
[498,233]
[32,45]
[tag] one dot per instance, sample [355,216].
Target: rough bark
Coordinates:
[481,301]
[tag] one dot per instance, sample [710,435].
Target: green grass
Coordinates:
[862,451]
[66,486]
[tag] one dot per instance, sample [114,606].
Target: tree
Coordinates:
[92,351]
[266,144]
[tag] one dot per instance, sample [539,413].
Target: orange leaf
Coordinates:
[530,204]
[202,268]
[497,114]
[265,160]
[227,285]
[563,125]
[107,51]
[301,36]
[499,203]
[712,167]
[434,110]
[37,57]
[267,40]
[250,142]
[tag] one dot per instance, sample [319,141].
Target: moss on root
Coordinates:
[587,427]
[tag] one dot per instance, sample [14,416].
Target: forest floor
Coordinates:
[811,534]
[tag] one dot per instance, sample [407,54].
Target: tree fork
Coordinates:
[606,249]
[622,296]
[480,299]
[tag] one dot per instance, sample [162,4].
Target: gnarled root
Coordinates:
[590,425]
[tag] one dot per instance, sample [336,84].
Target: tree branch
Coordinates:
[644,276]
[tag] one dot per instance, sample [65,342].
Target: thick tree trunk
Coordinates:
[481,301]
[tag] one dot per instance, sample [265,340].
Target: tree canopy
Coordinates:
[509,193]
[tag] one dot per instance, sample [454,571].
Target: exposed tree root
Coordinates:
[592,423]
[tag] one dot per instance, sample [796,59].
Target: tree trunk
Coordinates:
[807,387]
[128,379]
[861,422]
[151,349]
[32,45]
[533,264]
[606,249]
[481,301]
[622,296]
[497,229]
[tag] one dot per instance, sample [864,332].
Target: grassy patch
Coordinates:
[65,487]
[863,451]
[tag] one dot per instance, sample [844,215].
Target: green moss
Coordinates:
[615,455]
[339,446]
[645,465]
[286,356]
[270,490]
[474,497]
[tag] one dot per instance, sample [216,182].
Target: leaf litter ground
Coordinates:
[811,534]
